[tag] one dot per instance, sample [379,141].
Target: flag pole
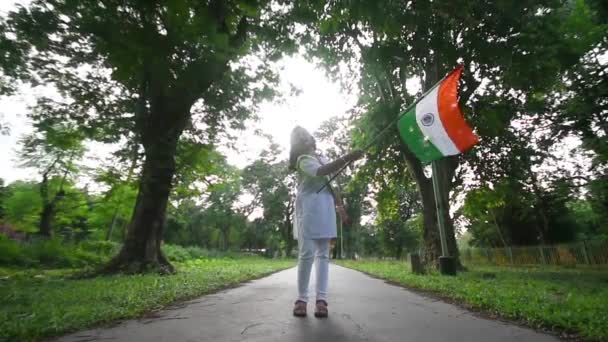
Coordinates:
[440,208]
[385,129]
[447,264]
[341,240]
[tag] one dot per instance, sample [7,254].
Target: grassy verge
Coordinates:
[37,304]
[571,300]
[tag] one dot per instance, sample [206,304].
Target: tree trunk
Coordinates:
[498,230]
[46,218]
[225,238]
[45,225]
[112,225]
[430,232]
[141,249]
[432,243]
[540,212]
[447,170]
[288,238]
[134,159]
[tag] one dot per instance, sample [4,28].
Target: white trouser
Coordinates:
[313,250]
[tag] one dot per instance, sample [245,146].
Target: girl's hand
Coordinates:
[343,215]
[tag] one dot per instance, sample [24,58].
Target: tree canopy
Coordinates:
[171,84]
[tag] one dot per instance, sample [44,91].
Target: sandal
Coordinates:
[321,309]
[299,309]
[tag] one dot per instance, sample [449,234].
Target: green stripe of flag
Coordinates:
[415,139]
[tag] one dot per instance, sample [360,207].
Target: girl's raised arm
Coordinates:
[335,165]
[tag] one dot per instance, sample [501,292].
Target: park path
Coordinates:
[361,309]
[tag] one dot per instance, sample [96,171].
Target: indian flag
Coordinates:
[435,127]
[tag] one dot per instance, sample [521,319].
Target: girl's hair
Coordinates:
[299,135]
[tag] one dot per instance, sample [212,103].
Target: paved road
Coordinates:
[361,309]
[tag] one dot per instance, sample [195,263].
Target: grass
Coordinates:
[570,300]
[38,304]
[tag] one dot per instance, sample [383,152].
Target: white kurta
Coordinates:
[315,215]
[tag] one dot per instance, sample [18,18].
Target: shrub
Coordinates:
[197,252]
[176,253]
[100,247]
[50,252]
[84,258]
[58,253]
[11,252]
[54,253]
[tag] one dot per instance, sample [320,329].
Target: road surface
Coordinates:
[361,309]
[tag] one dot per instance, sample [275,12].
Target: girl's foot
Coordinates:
[299,309]
[321,309]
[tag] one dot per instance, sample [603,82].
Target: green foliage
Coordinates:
[508,214]
[598,198]
[114,207]
[58,253]
[176,253]
[54,149]
[271,185]
[570,299]
[195,163]
[47,304]
[193,67]
[55,253]
[370,243]
[12,252]
[51,252]
[198,252]
[22,206]
[215,224]
[3,195]
[398,203]
[516,57]
[99,247]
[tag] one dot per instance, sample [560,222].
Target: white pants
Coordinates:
[310,250]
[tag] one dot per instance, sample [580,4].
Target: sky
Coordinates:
[319,99]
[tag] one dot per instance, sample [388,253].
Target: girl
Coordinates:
[315,216]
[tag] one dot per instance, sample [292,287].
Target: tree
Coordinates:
[153,69]
[398,203]
[589,221]
[485,209]
[3,196]
[579,107]
[507,215]
[22,206]
[272,186]
[188,225]
[222,210]
[391,44]
[55,150]
[112,209]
